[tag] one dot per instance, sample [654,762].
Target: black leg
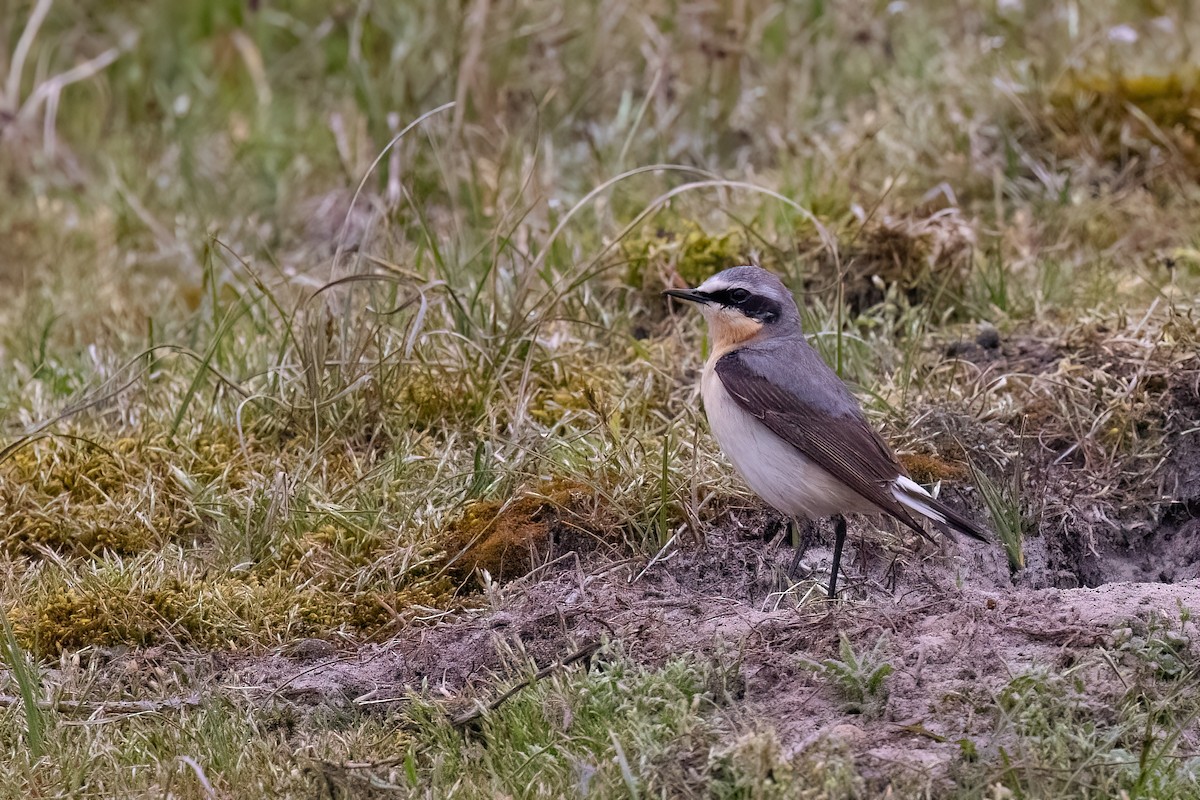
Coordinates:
[794,540]
[839,539]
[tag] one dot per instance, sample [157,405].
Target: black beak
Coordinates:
[690,295]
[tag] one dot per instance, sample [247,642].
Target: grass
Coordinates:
[1004,507]
[295,348]
[1053,742]
[860,680]
[608,729]
[25,676]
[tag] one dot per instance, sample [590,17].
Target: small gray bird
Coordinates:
[789,424]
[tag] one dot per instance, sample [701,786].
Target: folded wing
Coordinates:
[844,445]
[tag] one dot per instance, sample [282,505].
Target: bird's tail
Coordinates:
[913,496]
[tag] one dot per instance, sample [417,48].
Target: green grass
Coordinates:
[1056,736]
[608,729]
[279,324]
[1003,503]
[25,676]
[860,679]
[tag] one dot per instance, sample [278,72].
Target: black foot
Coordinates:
[839,539]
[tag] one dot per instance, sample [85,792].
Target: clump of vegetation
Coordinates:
[1057,738]
[130,531]
[1114,116]
[928,259]
[1003,501]
[509,538]
[87,492]
[925,468]
[754,766]
[860,680]
[134,607]
[1162,645]
[681,253]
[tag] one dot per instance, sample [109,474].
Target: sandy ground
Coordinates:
[957,631]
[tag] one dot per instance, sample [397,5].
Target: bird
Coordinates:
[788,423]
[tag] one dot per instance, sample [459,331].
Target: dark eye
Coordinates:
[738,295]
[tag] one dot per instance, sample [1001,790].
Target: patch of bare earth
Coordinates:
[1105,432]
[954,634]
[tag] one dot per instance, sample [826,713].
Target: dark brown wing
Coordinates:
[843,445]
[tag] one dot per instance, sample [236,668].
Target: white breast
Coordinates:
[774,469]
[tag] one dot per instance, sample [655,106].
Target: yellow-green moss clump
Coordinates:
[681,253]
[217,613]
[430,401]
[330,549]
[1113,116]
[133,559]
[78,497]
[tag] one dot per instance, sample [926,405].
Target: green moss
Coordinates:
[329,549]
[681,249]
[145,534]
[207,613]
[433,400]
[78,497]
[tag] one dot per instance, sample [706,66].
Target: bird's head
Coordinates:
[741,304]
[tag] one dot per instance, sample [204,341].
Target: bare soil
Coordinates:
[956,631]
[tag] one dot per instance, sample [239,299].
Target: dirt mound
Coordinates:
[1094,434]
[953,641]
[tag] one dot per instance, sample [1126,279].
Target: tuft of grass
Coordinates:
[25,675]
[1164,645]
[1003,502]
[860,680]
[752,767]
[929,469]
[1054,737]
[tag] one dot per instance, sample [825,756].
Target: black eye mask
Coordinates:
[755,306]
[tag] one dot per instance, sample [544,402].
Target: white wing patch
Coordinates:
[910,494]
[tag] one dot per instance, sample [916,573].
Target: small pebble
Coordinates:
[311,649]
